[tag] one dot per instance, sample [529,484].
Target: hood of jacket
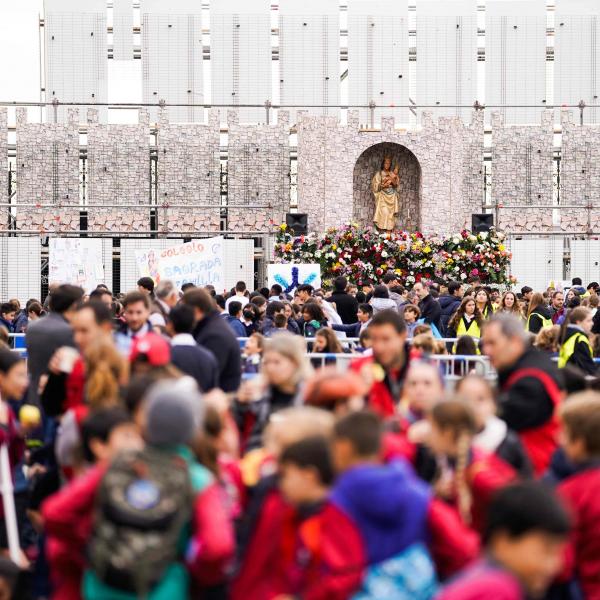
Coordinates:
[448,303]
[383,304]
[388,504]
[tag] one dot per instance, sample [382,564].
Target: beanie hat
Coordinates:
[174,412]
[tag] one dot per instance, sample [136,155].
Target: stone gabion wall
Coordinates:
[579,175]
[441,164]
[522,173]
[258,173]
[3,166]
[47,162]
[119,174]
[189,174]
[449,154]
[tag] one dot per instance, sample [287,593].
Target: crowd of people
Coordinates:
[170,444]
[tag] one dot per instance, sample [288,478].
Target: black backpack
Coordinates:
[144,502]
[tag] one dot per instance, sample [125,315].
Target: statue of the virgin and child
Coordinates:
[385,186]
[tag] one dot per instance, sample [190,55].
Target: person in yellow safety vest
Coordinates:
[538,315]
[484,302]
[467,320]
[575,348]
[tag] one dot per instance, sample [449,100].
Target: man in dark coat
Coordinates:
[428,305]
[345,304]
[214,334]
[186,355]
[530,387]
[50,333]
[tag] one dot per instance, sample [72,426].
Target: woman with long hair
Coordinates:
[538,314]
[484,302]
[107,372]
[576,348]
[326,342]
[466,477]
[510,304]
[313,318]
[467,320]
[285,367]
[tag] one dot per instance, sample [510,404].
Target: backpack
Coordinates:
[409,575]
[143,503]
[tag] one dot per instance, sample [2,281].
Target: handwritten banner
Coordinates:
[199,262]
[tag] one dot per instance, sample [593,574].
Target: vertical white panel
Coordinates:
[122,30]
[536,262]
[447,56]
[20,268]
[76,54]
[238,259]
[240,56]
[107,258]
[378,57]
[309,51]
[172,57]
[585,260]
[577,55]
[516,58]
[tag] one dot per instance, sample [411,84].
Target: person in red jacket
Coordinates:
[467,478]
[524,539]
[385,371]
[171,420]
[321,554]
[104,433]
[531,387]
[580,418]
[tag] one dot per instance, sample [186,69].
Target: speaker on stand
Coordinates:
[481,223]
[297,223]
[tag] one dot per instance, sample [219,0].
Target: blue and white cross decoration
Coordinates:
[290,276]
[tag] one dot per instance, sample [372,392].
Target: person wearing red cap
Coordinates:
[148,351]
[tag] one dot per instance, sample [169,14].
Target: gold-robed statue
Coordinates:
[385,185]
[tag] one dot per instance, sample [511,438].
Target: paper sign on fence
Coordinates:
[77,261]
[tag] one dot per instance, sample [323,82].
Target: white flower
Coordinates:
[483,235]
[384,254]
[457,269]
[473,238]
[456,240]
[463,276]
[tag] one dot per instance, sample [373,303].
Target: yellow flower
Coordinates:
[283,227]
[334,247]
[384,267]
[427,249]
[501,247]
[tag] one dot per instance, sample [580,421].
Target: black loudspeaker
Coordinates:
[482,223]
[297,222]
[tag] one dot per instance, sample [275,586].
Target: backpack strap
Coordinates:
[548,382]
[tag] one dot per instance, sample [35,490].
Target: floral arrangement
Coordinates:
[364,255]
